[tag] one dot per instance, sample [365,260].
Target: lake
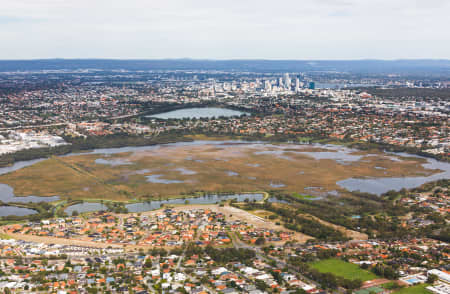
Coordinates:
[196,112]
[112,162]
[13,210]
[156,204]
[379,186]
[7,192]
[340,154]
[85,207]
[7,195]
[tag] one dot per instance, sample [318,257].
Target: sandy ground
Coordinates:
[374,283]
[82,243]
[61,241]
[76,242]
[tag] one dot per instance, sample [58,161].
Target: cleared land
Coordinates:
[205,167]
[343,269]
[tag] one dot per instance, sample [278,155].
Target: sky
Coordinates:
[225,29]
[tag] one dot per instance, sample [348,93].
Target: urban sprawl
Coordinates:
[400,245]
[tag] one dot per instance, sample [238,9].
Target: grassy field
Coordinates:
[4,236]
[390,285]
[198,168]
[418,289]
[343,269]
[303,197]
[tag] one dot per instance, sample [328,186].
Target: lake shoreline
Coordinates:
[45,153]
[188,141]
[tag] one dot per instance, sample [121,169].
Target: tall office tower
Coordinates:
[287,81]
[297,85]
[267,86]
[280,82]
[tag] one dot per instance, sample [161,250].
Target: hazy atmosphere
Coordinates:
[286,29]
[224,147]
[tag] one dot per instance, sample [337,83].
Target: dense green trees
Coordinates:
[385,271]
[296,222]
[432,279]
[230,254]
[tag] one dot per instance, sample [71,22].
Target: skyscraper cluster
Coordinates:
[285,83]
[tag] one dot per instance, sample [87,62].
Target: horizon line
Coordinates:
[227,59]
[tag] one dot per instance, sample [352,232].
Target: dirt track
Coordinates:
[349,233]
[74,242]
[61,241]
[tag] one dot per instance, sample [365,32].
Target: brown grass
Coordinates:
[79,177]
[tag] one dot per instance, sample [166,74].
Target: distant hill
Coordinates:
[424,66]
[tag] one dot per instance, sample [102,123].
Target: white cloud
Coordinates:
[300,29]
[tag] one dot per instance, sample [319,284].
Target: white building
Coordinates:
[442,276]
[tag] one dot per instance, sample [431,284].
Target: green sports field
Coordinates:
[343,269]
[418,289]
